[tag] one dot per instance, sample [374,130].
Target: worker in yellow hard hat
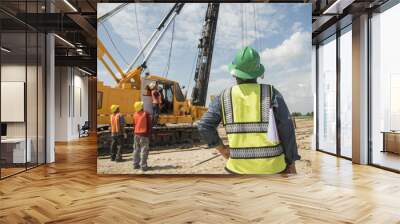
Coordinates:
[114,108]
[138,106]
[261,136]
[117,122]
[143,126]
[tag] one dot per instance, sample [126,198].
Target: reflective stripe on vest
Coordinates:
[246,128]
[243,153]
[245,110]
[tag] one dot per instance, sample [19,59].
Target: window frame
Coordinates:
[337,35]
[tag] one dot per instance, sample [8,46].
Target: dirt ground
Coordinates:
[187,160]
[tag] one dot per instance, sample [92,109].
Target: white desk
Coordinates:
[17,146]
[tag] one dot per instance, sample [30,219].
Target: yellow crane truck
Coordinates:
[176,120]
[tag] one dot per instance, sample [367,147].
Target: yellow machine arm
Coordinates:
[132,75]
[101,54]
[125,81]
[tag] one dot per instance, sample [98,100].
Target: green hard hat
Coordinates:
[247,64]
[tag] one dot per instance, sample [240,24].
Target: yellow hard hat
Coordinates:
[114,108]
[138,106]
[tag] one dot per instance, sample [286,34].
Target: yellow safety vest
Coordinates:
[245,110]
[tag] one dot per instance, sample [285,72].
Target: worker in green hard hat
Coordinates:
[261,136]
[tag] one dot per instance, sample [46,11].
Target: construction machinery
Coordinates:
[178,114]
[204,57]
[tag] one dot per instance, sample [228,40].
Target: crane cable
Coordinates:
[114,45]
[166,70]
[108,16]
[138,28]
[257,41]
[191,74]
[245,25]
[241,23]
[139,36]
[112,41]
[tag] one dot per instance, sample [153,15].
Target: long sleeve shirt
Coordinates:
[208,125]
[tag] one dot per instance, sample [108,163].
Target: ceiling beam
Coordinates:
[337,7]
[84,24]
[81,61]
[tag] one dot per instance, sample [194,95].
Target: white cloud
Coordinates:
[293,51]
[216,86]
[288,68]
[188,26]
[221,69]
[242,22]
[297,27]
[186,23]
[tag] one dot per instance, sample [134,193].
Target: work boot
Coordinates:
[112,157]
[144,168]
[118,158]
[136,167]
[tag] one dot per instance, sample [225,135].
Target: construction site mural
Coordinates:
[204,88]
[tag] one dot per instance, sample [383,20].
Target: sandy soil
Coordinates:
[186,159]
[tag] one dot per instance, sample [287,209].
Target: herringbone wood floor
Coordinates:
[70,191]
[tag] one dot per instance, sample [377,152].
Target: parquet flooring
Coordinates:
[8,171]
[70,191]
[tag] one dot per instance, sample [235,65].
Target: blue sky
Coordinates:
[283,38]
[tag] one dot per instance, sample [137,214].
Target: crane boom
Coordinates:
[134,73]
[204,58]
[111,13]
[175,10]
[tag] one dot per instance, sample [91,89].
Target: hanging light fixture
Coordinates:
[84,71]
[337,7]
[70,5]
[5,50]
[64,40]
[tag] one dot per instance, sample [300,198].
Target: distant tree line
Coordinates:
[299,114]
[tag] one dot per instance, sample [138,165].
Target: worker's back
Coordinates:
[142,123]
[246,112]
[115,126]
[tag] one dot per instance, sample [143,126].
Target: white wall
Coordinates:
[71,102]
[61,103]
[12,73]
[80,111]
[33,126]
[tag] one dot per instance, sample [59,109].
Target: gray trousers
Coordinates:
[115,148]
[140,151]
[156,114]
